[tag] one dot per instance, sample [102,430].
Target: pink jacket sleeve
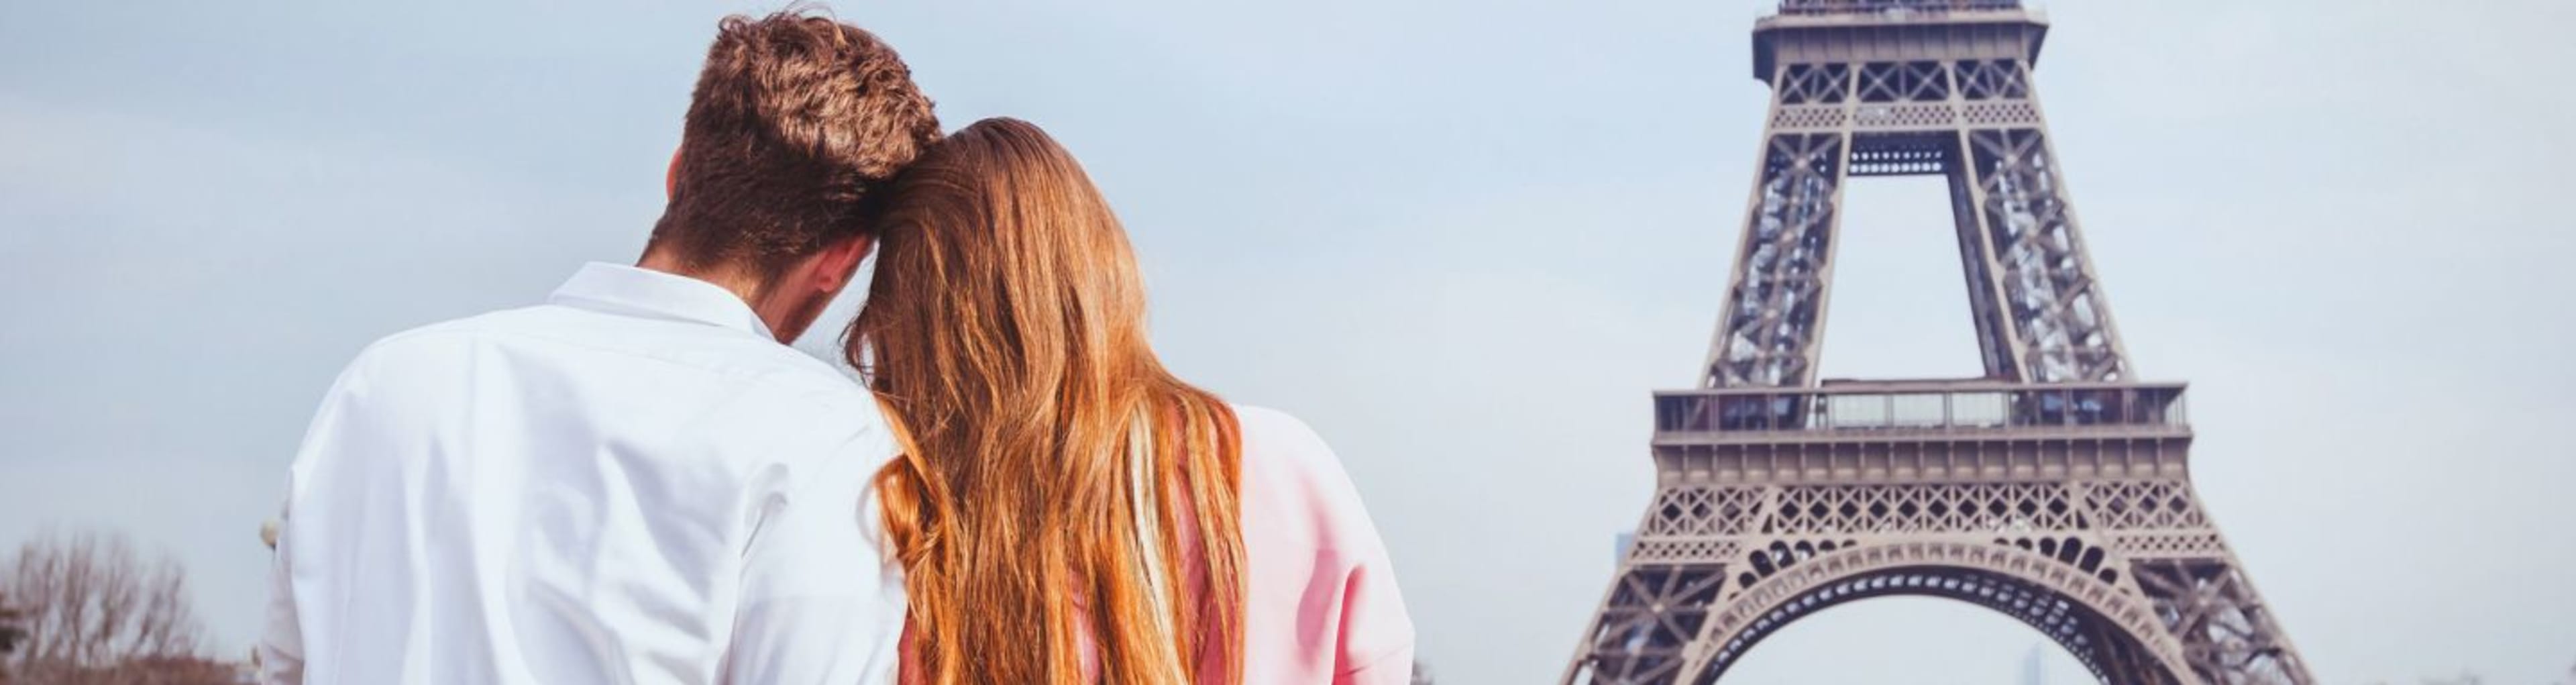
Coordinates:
[1323,606]
[1376,635]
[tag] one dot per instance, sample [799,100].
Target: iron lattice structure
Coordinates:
[2055,490]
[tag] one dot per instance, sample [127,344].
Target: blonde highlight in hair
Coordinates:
[1057,485]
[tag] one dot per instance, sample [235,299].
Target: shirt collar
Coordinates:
[622,289]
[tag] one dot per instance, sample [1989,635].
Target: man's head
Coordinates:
[795,123]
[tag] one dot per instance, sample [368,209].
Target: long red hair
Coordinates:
[1057,485]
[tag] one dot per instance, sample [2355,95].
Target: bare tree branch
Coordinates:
[13,629]
[89,610]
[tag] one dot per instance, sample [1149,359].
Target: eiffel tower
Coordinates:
[2055,490]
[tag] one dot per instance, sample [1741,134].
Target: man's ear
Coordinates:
[839,262]
[671,177]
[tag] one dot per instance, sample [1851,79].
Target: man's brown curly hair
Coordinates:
[796,121]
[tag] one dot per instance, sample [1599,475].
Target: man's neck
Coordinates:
[742,285]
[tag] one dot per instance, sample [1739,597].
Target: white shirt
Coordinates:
[633,483]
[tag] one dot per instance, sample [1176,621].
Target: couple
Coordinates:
[640,482]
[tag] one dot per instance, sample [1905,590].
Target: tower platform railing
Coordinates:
[1871,6]
[1916,406]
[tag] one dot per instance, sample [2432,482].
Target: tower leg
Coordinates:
[1775,305]
[1784,269]
[2061,324]
[2227,635]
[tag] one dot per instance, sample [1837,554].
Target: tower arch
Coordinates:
[2110,630]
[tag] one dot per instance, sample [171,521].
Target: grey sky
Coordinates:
[1462,239]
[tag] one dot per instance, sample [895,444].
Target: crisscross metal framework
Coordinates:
[2054,490]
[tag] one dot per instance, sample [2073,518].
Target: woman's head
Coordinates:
[1058,487]
[1000,239]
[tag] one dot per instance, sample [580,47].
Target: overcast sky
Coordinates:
[1463,239]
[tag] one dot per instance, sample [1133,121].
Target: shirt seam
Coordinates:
[783,374]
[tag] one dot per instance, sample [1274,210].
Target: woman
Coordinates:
[1066,510]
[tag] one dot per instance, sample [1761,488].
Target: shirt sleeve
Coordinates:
[820,601]
[280,653]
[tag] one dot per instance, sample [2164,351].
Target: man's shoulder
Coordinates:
[418,349]
[418,338]
[569,334]
[800,406]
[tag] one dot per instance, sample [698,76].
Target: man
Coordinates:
[638,481]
